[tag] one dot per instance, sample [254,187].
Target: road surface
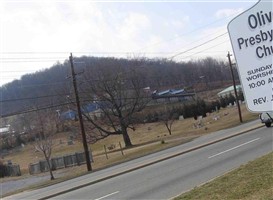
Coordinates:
[169,178]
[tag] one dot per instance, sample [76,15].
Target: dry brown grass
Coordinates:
[151,134]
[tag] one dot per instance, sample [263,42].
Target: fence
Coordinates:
[9,170]
[58,163]
[111,148]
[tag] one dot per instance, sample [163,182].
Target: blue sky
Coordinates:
[35,34]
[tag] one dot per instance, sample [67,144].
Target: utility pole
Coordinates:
[235,90]
[84,142]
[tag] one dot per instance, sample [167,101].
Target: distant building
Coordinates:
[229,90]
[92,109]
[4,130]
[172,95]
[147,89]
[68,115]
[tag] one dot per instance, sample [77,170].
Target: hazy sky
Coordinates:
[35,34]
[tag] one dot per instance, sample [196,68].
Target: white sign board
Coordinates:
[251,35]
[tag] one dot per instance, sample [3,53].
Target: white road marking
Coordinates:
[107,195]
[234,148]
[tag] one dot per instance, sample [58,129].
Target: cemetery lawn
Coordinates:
[147,138]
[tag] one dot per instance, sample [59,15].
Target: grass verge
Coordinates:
[252,181]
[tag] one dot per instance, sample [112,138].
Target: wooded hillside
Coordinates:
[52,86]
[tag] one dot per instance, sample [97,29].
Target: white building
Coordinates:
[229,90]
[4,130]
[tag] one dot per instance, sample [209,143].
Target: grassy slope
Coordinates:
[252,181]
[143,134]
[148,132]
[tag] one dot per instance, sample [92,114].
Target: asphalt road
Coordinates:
[166,179]
[169,178]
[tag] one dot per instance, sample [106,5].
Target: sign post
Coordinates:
[251,35]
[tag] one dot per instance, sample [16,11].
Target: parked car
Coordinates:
[267,118]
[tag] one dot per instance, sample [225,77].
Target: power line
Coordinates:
[63,104]
[32,98]
[74,103]
[187,33]
[55,95]
[101,52]
[85,99]
[205,49]
[39,85]
[197,46]
[31,58]
[83,81]
[34,110]
[34,52]
[11,60]
[17,71]
[86,52]
[124,52]
[26,61]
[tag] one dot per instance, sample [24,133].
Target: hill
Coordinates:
[51,86]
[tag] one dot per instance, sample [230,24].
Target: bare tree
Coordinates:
[119,95]
[168,117]
[44,129]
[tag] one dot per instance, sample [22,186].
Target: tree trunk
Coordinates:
[169,127]
[51,174]
[126,138]
[50,169]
